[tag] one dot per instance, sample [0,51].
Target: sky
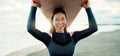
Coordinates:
[16,13]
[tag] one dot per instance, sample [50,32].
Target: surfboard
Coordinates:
[71,7]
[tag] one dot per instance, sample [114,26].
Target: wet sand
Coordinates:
[102,44]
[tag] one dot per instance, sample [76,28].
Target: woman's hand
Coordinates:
[36,3]
[86,4]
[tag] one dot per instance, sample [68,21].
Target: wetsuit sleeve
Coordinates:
[78,35]
[44,37]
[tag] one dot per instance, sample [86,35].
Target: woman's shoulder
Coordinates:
[47,34]
[71,33]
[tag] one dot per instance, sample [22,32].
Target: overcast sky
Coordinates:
[15,12]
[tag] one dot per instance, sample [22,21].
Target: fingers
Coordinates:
[33,1]
[86,4]
[86,1]
[36,3]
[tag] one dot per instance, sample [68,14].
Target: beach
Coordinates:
[101,44]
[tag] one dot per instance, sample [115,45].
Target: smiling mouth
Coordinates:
[60,27]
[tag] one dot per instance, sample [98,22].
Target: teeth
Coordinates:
[60,26]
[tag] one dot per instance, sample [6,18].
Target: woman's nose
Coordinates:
[60,21]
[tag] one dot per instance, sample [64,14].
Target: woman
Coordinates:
[60,42]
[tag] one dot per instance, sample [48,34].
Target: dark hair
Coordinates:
[57,10]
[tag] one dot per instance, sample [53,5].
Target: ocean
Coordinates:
[13,37]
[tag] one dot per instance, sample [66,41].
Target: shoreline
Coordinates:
[27,50]
[88,46]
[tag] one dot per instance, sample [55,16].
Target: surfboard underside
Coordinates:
[71,7]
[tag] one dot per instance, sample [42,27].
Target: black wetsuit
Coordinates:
[60,44]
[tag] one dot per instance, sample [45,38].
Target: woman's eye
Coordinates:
[63,18]
[56,20]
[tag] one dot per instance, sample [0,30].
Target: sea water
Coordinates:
[13,37]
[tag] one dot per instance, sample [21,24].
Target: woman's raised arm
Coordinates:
[44,37]
[78,35]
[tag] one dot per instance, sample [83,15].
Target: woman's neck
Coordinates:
[60,32]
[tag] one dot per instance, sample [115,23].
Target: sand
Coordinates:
[102,44]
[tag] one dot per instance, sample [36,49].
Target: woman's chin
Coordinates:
[60,31]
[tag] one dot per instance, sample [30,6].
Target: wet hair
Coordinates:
[57,10]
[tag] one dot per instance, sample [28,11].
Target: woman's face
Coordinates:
[59,22]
